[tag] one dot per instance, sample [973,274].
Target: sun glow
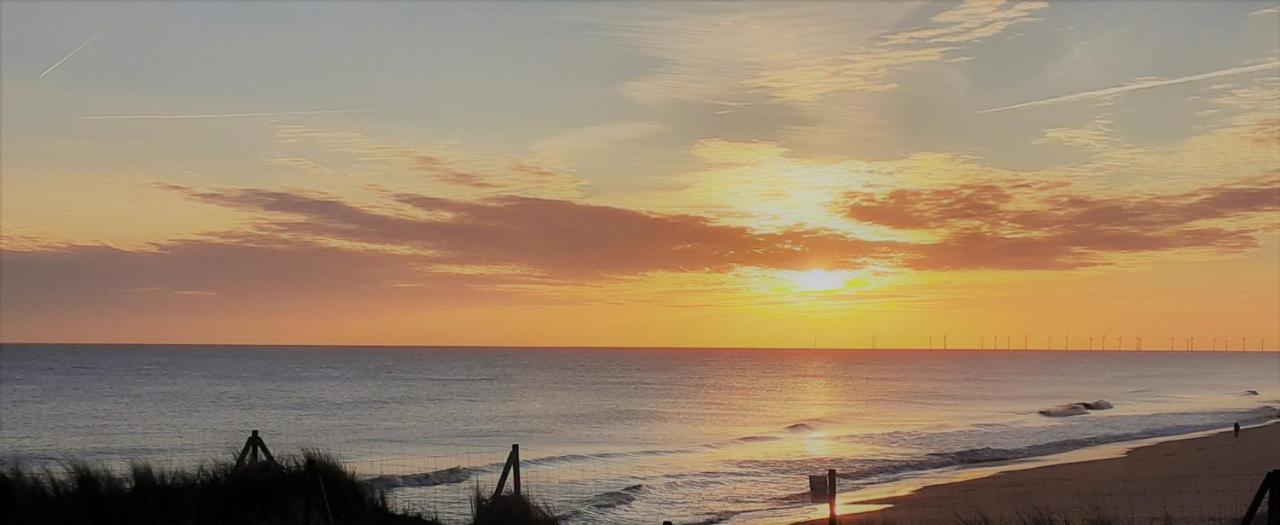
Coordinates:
[818,280]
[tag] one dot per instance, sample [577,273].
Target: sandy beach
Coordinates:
[1207,479]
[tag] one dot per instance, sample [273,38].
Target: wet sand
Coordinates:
[1207,479]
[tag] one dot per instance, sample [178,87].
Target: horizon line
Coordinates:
[624,347]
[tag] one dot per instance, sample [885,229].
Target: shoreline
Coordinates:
[1206,475]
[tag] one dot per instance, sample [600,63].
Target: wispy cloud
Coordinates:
[716,54]
[233,115]
[594,137]
[73,52]
[1136,86]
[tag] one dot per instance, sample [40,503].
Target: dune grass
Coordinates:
[219,493]
[507,509]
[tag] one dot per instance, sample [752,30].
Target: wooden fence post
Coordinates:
[1270,483]
[513,464]
[1273,501]
[833,518]
[252,447]
[313,480]
[515,469]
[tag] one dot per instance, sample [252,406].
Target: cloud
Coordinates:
[230,267]
[863,71]
[460,172]
[259,114]
[594,137]
[1136,85]
[302,164]
[306,255]
[785,52]
[970,21]
[556,238]
[1096,135]
[1032,225]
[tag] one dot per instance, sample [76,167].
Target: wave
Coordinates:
[989,455]
[719,517]
[454,378]
[869,471]
[615,498]
[607,456]
[1073,409]
[1076,409]
[447,476]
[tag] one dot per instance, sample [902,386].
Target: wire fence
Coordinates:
[595,490]
[619,490]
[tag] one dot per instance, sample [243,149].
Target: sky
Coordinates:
[834,174]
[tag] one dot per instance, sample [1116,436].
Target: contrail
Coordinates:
[229,115]
[1135,86]
[73,52]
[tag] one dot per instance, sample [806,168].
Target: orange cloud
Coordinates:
[556,237]
[1026,225]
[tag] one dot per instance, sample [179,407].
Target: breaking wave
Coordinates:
[447,476]
[1076,409]
[615,498]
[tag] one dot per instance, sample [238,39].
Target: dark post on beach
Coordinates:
[833,518]
[1270,484]
[515,469]
[1273,502]
[512,467]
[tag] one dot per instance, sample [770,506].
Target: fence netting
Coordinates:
[598,489]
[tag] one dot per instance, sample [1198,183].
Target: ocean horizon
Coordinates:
[620,436]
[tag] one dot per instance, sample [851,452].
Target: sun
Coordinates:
[818,280]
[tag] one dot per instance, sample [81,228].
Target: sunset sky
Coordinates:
[635,174]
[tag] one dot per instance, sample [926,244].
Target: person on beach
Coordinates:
[1236,427]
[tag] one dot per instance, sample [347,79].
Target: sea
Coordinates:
[614,435]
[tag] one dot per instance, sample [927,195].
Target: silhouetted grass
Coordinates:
[509,509]
[214,493]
